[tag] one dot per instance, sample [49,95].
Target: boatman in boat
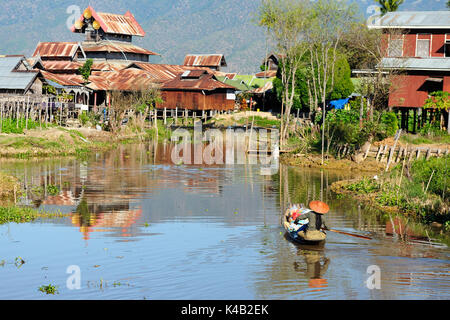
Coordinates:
[316,219]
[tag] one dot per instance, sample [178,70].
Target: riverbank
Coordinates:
[58,141]
[315,161]
[418,190]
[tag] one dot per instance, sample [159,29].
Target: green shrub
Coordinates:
[422,170]
[11,125]
[389,123]
[365,185]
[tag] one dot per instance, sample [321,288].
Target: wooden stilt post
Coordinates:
[165,116]
[1,117]
[415,120]
[428,154]
[26,113]
[176,116]
[46,112]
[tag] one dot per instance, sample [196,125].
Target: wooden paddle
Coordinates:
[349,234]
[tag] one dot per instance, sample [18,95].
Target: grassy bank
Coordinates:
[418,189]
[59,141]
[24,214]
[312,160]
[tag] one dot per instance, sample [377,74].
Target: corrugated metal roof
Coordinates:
[12,79]
[114,46]
[267,87]
[206,82]
[110,65]
[61,65]
[124,80]
[412,20]
[121,24]
[231,75]
[266,74]
[205,60]
[56,49]
[164,72]
[64,79]
[238,84]
[116,23]
[438,64]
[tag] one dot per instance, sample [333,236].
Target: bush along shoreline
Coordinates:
[418,189]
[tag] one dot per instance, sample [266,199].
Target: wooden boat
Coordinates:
[311,237]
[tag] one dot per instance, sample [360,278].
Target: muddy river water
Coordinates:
[139,227]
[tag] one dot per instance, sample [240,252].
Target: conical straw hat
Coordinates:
[319,207]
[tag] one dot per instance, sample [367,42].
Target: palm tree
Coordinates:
[389,5]
[448,4]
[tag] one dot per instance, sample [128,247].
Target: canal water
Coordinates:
[139,227]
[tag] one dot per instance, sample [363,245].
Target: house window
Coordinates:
[395,48]
[423,48]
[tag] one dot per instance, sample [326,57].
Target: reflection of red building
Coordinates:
[107,222]
[417,45]
[65,198]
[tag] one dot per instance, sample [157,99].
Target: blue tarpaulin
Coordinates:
[339,104]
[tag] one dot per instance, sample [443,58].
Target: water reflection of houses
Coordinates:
[105,218]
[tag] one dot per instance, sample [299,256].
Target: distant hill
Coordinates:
[174,27]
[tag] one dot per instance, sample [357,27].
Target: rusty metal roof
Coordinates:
[114,46]
[109,65]
[124,80]
[73,66]
[68,66]
[163,72]
[193,74]
[205,60]
[230,75]
[207,82]
[64,79]
[116,23]
[267,87]
[266,74]
[56,49]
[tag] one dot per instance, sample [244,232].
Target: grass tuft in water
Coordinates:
[24,214]
[50,289]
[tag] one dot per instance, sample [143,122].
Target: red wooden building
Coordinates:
[197,90]
[417,46]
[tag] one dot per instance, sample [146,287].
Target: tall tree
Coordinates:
[389,5]
[286,21]
[330,21]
